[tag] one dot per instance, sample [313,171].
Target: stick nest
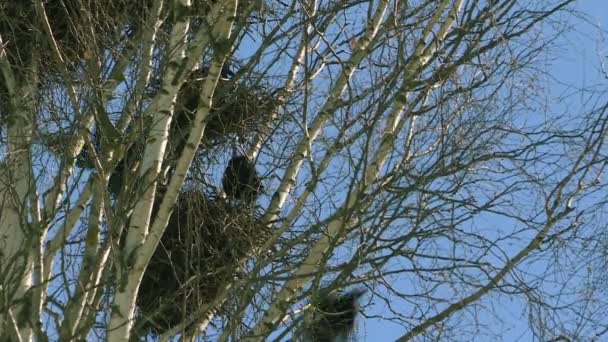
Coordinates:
[333,317]
[237,108]
[76,26]
[204,241]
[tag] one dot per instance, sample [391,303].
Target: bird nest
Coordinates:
[70,22]
[205,241]
[333,316]
[238,109]
[80,27]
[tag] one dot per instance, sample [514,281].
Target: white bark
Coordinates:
[374,135]
[279,198]
[141,242]
[19,240]
[309,266]
[124,301]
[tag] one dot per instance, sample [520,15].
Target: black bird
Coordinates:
[84,159]
[226,73]
[241,180]
[334,317]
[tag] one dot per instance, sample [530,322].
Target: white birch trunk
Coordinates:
[19,238]
[310,265]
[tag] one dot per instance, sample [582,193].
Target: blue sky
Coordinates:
[573,64]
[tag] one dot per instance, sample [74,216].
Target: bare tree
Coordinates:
[397,150]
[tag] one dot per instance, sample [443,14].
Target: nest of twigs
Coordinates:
[237,108]
[70,21]
[333,317]
[240,110]
[205,241]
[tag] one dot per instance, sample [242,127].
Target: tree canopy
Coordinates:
[272,170]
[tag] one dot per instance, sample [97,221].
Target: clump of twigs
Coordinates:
[333,317]
[75,26]
[238,109]
[203,243]
[241,111]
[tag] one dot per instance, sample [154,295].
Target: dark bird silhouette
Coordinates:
[241,180]
[226,73]
[84,159]
[334,317]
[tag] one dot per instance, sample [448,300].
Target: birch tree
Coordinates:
[404,150]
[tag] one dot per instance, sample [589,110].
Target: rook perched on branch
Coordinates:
[241,180]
